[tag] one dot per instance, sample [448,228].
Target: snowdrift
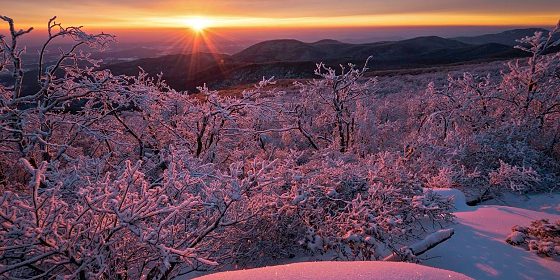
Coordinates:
[357,270]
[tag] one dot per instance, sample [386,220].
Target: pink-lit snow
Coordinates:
[478,248]
[357,270]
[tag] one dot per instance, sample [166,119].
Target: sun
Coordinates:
[198,24]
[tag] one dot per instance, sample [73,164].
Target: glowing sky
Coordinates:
[285,13]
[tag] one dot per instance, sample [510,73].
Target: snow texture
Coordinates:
[544,202]
[357,270]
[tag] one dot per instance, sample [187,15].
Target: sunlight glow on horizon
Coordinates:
[287,14]
[198,24]
[201,22]
[388,20]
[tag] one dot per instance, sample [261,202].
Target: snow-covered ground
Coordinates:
[545,202]
[339,271]
[478,248]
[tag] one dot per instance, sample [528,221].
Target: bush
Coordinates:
[517,179]
[541,237]
[363,211]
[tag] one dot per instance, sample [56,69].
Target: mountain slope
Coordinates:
[280,50]
[508,38]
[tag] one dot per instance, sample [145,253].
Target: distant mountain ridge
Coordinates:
[508,38]
[331,50]
[289,58]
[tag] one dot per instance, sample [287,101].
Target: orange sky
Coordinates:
[143,14]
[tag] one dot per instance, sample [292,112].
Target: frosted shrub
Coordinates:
[364,212]
[123,225]
[446,178]
[494,126]
[202,123]
[517,179]
[325,114]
